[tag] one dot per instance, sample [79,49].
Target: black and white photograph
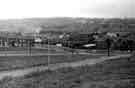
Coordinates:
[67,44]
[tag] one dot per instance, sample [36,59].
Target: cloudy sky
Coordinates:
[10,9]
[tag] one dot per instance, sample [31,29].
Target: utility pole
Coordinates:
[30,48]
[6,44]
[108,41]
[48,58]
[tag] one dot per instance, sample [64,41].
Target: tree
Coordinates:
[130,45]
[108,42]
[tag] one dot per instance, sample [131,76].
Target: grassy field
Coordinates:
[18,50]
[118,73]
[16,62]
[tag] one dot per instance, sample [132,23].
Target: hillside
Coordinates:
[68,25]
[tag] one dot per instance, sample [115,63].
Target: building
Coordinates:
[14,40]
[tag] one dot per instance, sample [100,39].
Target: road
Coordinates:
[22,72]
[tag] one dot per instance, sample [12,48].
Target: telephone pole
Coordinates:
[48,58]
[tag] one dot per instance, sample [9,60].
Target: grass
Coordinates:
[118,73]
[17,62]
[17,50]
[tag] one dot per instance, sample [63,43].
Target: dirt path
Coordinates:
[22,72]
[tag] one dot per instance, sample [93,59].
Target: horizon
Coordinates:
[6,19]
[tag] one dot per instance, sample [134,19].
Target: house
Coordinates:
[14,40]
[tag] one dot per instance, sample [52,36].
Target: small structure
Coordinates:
[89,45]
[59,45]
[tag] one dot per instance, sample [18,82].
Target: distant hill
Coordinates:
[68,25]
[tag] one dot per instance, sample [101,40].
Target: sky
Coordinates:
[18,9]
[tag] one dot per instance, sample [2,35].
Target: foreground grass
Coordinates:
[17,62]
[118,73]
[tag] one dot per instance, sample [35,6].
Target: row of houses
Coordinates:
[8,39]
[14,40]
